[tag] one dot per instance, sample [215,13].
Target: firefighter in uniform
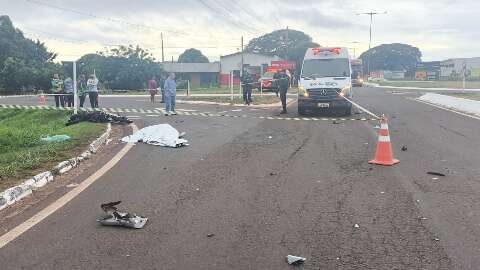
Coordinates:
[247,85]
[282,81]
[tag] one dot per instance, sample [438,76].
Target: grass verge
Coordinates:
[23,154]
[432,84]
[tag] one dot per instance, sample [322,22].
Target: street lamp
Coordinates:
[371,14]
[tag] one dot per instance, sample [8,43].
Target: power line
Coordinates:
[229,18]
[103,18]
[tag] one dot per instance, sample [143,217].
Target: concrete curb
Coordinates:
[15,194]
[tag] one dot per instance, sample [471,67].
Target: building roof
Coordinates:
[191,67]
[250,53]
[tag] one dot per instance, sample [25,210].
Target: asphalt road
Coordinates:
[268,188]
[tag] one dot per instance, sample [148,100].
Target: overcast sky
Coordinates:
[441,28]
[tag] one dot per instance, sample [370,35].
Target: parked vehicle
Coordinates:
[357,72]
[325,80]
[267,81]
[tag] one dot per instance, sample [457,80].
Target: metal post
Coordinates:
[188,88]
[75,97]
[163,55]
[231,85]
[464,73]
[261,80]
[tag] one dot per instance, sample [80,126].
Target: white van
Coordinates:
[325,79]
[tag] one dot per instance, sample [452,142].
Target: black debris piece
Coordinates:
[210,235]
[436,173]
[404,148]
[97,117]
[273,173]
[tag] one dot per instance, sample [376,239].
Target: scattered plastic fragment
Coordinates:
[273,173]
[436,173]
[56,138]
[116,218]
[436,239]
[210,235]
[435,178]
[382,192]
[295,260]
[356,226]
[404,148]
[72,185]
[270,137]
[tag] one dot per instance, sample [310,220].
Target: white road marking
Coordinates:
[446,109]
[362,108]
[133,116]
[186,110]
[62,201]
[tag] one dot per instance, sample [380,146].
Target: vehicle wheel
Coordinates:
[348,111]
[301,111]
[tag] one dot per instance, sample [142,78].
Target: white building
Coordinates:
[453,67]
[253,62]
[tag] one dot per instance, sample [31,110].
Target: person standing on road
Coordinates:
[92,87]
[152,87]
[170,89]
[247,87]
[283,83]
[68,83]
[57,90]
[82,89]
[162,88]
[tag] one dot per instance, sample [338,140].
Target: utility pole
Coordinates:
[371,14]
[241,68]
[163,55]
[286,46]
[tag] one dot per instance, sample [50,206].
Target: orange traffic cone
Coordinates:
[41,99]
[384,154]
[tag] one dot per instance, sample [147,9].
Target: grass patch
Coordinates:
[23,154]
[432,84]
[257,100]
[472,96]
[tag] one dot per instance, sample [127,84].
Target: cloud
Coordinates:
[439,30]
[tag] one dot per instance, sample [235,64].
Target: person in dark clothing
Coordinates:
[283,83]
[247,85]
[82,89]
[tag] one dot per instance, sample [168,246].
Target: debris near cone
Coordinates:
[404,148]
[116,218]
[436,173]
[295,260]
[97,117]
[160,135]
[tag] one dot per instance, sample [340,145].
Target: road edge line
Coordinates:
[62,201]
[361,108]
[444,108]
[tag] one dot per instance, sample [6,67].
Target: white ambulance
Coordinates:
[325,79]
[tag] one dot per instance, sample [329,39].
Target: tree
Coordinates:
[192,56]
[125,67]
[24,63]
[288,44]
[392,57]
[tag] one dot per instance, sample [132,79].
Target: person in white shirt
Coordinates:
[92,89]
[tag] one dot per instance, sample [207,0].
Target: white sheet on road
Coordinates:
[460,104]
[161,135]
